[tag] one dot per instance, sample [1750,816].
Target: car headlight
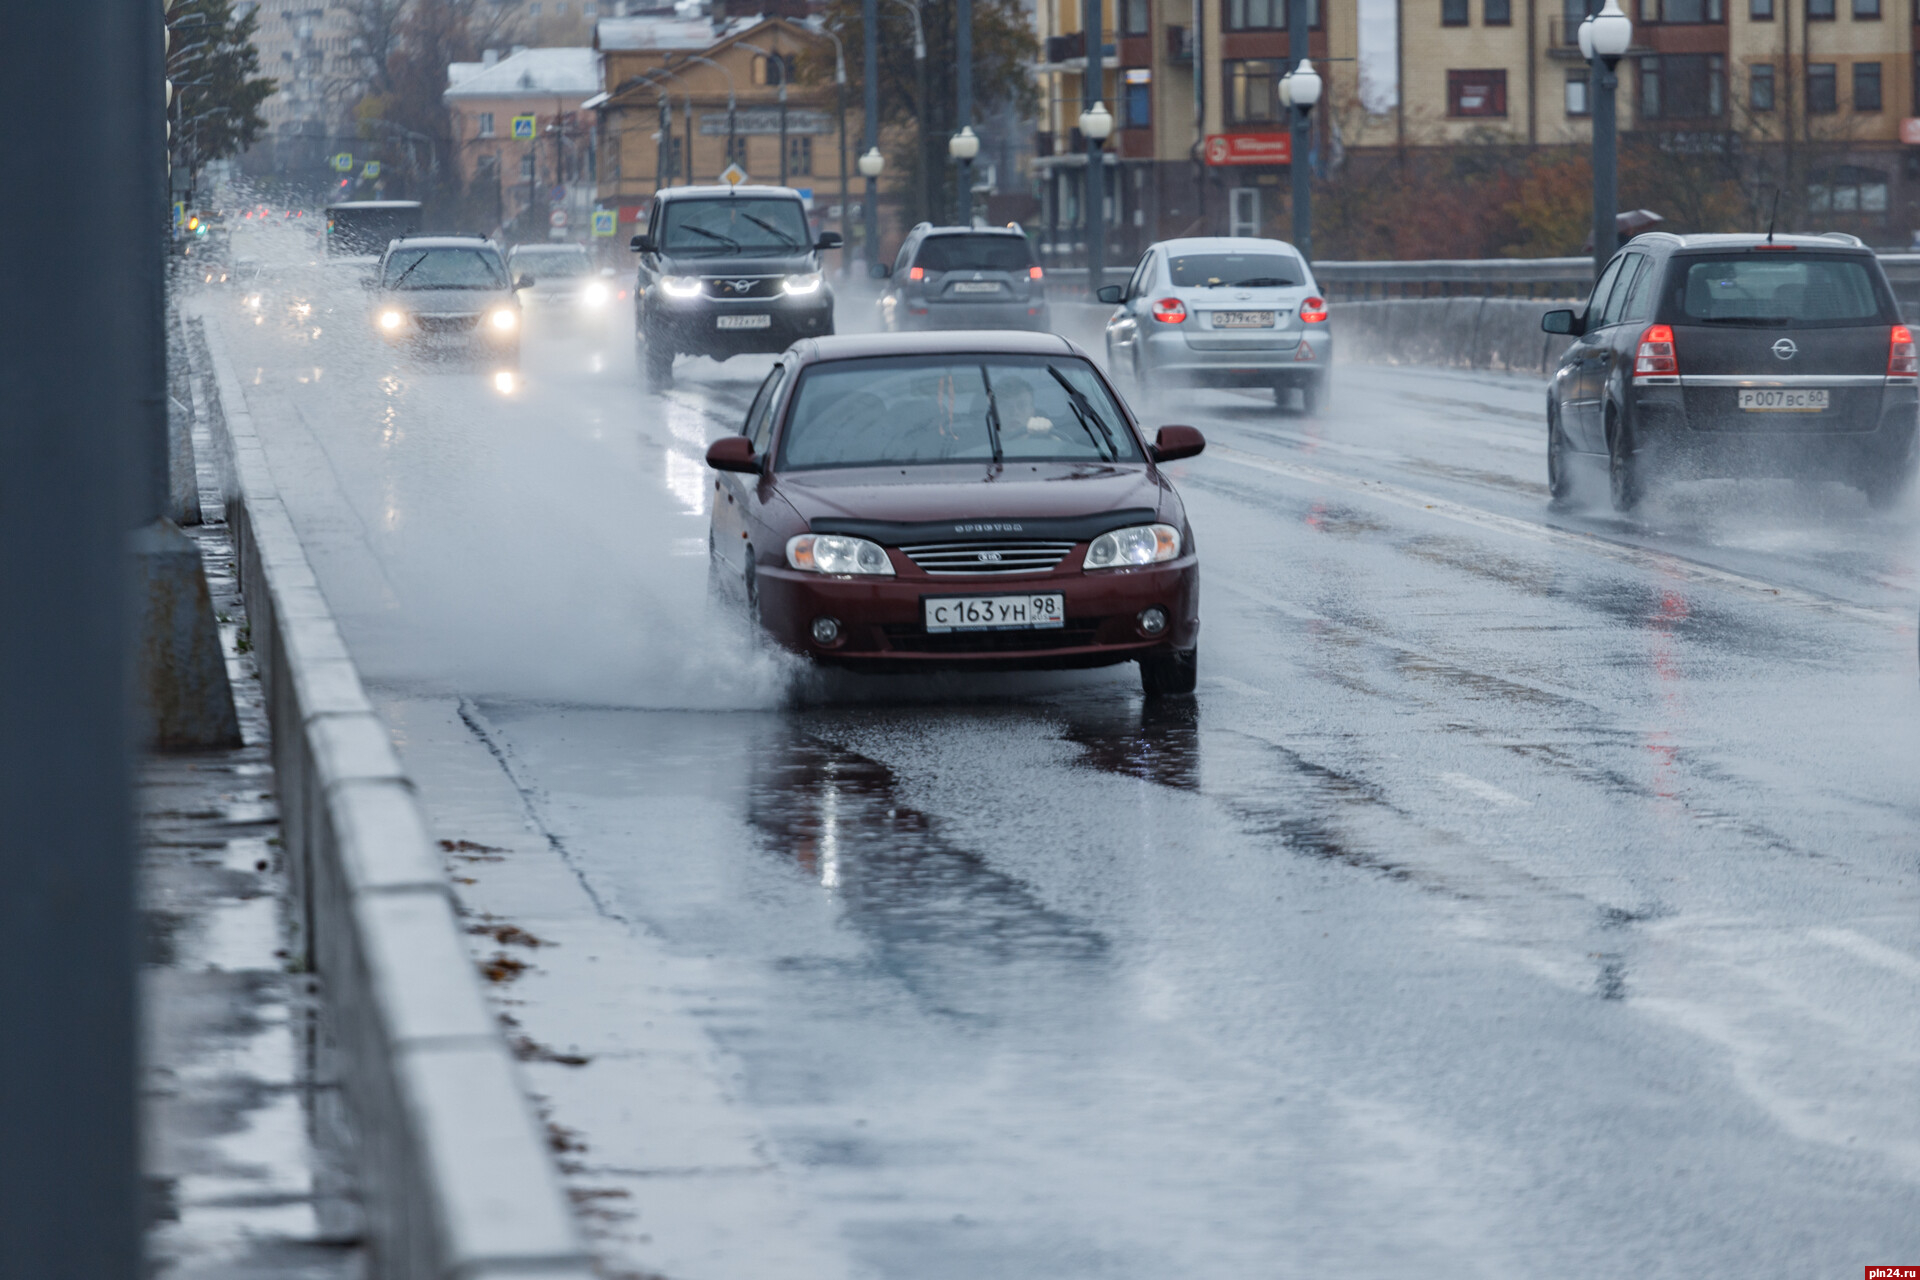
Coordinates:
[594,295]
[503,319]
[681,286]
[1135,545]
[390,319]
[801,284]
[835,553]
[253,301]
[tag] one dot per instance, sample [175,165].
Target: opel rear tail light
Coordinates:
[1902,360]
[1035,273]
[1313,311]
[1169,311]
[1655,356]
[917,273]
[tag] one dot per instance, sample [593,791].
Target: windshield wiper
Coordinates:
[409,271]
[728,241]
[1084,411]
[792,243]
[993,417]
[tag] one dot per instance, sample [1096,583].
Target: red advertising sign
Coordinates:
[1249,148]
[1910,131]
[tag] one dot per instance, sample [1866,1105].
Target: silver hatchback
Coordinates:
[1215,312]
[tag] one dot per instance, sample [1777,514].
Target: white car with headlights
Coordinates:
[1217,312]
[448,294]
[568,292]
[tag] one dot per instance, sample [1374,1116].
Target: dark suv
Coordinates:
[1719,355]
[727,271]
[964,278]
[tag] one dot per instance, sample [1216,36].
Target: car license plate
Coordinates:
[1243,319]
[971,286]
[995,613]
[1781,400]
[744,322]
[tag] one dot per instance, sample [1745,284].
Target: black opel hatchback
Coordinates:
[1721,355]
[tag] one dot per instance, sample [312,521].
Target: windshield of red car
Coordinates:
[904,410]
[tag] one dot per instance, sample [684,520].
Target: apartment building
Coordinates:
[308,49]
[521,139]
[1816,94]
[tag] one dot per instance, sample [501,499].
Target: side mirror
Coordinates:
[1562,321]
[641,244]
[733,453]
[1111,293]
[608,272]
[1171,444]
[879,271]
[523,282]
[369,282]
[828,240]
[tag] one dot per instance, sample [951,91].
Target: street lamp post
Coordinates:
[1604,38]
[840,106]
[1096,124]
[871,161]
[694,57]
[773,62]
[926,112]
[965,146]
[1299,91]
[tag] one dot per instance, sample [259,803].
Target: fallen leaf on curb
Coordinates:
[469,846]
[508,933]
[527,1049]
[563,1139]
[503,968]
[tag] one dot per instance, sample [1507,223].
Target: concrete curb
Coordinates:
[459,1183]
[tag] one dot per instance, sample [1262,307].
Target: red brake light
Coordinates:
[917,273]
[1169,311]
[1656,355]
[1902,360]
[1313,311]
[1775,248]
[1034,273]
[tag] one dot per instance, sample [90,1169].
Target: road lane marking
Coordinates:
[1620,552]
[1484,790]
[1864,948]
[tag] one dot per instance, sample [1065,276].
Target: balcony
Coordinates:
[1180,46]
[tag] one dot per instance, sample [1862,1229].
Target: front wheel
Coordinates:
[1170,674]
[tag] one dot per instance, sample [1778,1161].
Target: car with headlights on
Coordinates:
[980,500]
[448,294]
[1216,312]
[964,278]
[1731,355]
[727,271]
[569,293]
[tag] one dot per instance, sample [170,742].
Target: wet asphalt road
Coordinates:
[1524,893]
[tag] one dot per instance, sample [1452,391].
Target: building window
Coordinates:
[1760,10]
[800,156]
[1476,93]
[1866,87]
[1760,87]
[770,71]
[1682,86]
[1498,13]
[1253,92]
[1847,189]
[1135,18]
[486,124]
[1137,102]
[1453,13]
[1866,10]
[1822,98]
[590,9]
[533,11]
[1674,12]
[1578,85]
[1263,15]
[737,150]
[526,168]
[1819,10]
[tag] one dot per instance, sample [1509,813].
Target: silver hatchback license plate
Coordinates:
[995,613]
[743,322]
[1243,319]
[1783,400]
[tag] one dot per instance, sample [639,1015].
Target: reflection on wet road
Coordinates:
[1525,892]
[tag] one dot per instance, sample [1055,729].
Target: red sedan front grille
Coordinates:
[946,559]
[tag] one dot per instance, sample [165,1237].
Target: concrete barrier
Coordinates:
[458,1180]
[1464,333]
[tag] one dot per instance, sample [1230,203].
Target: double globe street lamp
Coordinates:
[1299,92]
[1096,126]
[963,147]
[1604,39]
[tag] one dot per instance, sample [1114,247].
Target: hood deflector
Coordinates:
[987,528]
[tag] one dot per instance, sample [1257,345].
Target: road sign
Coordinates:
[1249,148]
[604,222]
[733,175]
[557,219]
[371,169]
[179,213]
[558,195]
[523,128]
[343,163]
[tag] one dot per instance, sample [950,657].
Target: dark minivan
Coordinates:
[1723,355]
[727,271]
[965,278]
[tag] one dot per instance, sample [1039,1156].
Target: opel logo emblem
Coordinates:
[1785,349]
[989,557]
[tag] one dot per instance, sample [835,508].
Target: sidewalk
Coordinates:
[241,1128]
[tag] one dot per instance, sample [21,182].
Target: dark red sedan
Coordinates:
[906,501]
